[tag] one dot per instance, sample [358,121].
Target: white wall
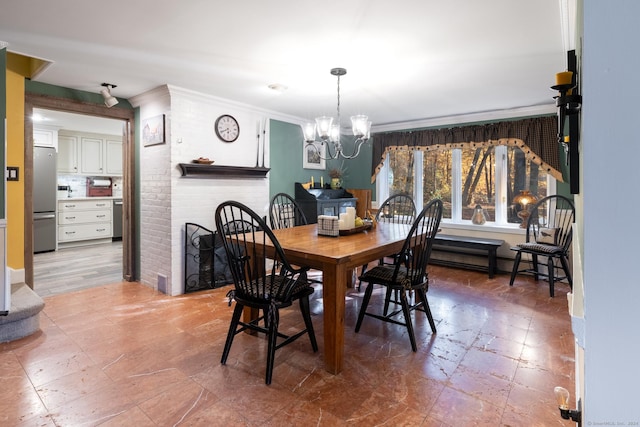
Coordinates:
[610,149]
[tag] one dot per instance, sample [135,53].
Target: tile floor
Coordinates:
[81,267]
[126,355]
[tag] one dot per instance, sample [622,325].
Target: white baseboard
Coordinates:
[16,276]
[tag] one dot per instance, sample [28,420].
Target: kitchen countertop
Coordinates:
[89,198]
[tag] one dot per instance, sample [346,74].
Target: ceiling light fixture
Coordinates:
[329,131]
[109,100]
[277,87]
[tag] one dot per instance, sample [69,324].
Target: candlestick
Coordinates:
[311,181]
[322,181]
[258,139]
[264,139]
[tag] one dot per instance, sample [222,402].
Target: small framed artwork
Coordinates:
[311,156]
[153,131]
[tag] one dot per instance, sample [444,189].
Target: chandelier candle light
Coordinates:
[329,131]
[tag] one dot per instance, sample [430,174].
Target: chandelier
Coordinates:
[329,131]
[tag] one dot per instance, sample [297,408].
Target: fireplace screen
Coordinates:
[206,265]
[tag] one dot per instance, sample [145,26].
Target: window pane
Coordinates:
[478,181]
[401,173]
[523,175]
[436,179]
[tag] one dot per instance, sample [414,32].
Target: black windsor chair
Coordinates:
[549,234]
[267,283]
[397,209]
[407,274]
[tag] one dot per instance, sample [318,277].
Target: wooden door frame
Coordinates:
[129,237]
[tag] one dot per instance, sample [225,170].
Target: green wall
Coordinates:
[39,88]
[285,155]
[286,147]
[358,170]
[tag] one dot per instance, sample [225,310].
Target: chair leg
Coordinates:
[387,300]
[427,310]
[567,272]
[235,319]
[271,348]
[306,315]
[534,259]
[516,265]
[364,270]
[407,319]
[551,274]
[365,303]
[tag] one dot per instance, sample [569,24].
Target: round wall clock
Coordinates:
[227,128]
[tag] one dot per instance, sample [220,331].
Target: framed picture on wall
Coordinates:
[153,130]
[311,156]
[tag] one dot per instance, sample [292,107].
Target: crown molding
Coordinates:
[485,116]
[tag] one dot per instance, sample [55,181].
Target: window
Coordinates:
[489,176]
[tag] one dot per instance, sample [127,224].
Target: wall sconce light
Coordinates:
[567,102]
[524,199]
[562,396]
[109,100]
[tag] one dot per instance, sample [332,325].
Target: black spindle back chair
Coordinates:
[549,234]
[263,279]
[407,274]
[284,212]
[396,209]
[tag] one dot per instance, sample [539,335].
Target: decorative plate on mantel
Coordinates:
[203,161]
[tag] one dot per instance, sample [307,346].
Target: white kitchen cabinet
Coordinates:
[44,137]
[92,156]
[89,154]
[67,153]
[113,157]
[80,221]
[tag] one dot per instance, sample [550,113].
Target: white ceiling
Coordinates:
[407,60]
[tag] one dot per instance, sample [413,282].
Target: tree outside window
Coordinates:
[489,176]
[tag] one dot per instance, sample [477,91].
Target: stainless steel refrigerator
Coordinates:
[44,199]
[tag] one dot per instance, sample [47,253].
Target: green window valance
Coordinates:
[537,137]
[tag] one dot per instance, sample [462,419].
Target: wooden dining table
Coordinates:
[337,257]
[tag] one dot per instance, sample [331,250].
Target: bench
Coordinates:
[469,246]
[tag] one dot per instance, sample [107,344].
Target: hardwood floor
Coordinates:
[72,269]
[127,355]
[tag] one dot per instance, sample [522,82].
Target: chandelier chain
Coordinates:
[338,108]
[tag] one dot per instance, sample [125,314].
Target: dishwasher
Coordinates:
[117,219]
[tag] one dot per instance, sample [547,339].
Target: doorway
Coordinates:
[125,118]
[75,259]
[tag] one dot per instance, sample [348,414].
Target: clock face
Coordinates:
[227,128]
